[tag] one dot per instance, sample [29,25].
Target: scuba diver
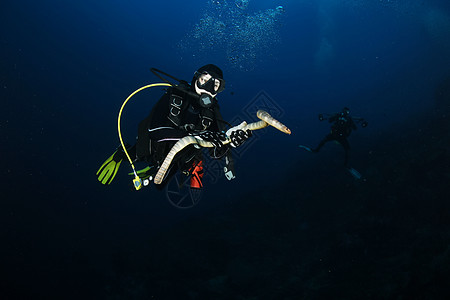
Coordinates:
[185,109]
[343,124]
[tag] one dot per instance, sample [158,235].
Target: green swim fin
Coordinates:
[109,169]
[145,173]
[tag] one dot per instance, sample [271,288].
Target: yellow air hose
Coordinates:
[137,182]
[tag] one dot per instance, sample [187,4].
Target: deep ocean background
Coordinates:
[292,225]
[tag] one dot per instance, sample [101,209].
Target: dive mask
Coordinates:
[212,85]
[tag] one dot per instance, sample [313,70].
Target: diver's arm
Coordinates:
[333,118]
[360,121]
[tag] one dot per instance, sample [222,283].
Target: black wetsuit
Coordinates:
[158,133]
[340,130]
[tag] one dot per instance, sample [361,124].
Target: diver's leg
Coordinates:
[131,151]
[346,146]
[328,138]
[143,142]
[182,161]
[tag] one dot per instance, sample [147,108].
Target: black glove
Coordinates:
[215,138]
[364,124]
[238,137]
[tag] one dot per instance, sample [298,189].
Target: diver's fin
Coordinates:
[109,169]
[145,173]
[305,147]
[354,173]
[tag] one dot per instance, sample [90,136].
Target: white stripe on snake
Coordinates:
[265,120]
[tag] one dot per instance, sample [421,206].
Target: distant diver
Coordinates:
[343,124]
[280,9]
[170,139]
[241,4]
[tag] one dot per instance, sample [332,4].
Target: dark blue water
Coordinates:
[65,70]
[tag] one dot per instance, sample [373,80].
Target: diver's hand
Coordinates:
[215,138]
[238,137]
